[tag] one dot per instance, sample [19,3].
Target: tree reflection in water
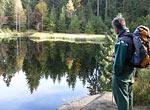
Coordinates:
[52,60]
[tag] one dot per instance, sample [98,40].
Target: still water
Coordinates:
[45,75]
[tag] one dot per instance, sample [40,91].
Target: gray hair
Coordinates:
[118,22]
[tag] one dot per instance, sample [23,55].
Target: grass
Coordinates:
[142,88]
[47,36]
[4,35]
[77,38]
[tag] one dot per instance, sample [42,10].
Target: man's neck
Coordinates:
[122,30]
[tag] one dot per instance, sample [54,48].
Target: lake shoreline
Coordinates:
[41,34]
[47,34]
[62,37]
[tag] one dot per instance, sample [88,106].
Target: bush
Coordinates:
[142,88]
[1,31]
[23,29]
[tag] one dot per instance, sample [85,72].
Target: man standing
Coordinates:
[123,76]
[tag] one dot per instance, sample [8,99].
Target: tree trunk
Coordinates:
[97,7]
[16,20]
[0,15]
[28,15]
[19,23]
[42,15]
[106,4]
[124,1]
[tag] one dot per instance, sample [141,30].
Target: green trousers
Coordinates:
[122,90]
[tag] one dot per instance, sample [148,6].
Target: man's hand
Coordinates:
[113,55]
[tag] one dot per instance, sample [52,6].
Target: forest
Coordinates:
[71,16]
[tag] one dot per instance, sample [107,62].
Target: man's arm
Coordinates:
[121,51]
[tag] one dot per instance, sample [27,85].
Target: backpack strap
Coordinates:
[128,38]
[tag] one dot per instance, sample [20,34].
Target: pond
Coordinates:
[45,75]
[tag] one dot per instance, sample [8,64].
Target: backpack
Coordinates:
[141,41]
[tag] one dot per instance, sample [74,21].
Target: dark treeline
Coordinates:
[71,16]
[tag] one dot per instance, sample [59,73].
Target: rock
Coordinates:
[104,102]
[96,102]
[79,103]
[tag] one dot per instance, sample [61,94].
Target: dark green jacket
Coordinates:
[121,52]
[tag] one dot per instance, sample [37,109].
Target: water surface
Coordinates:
[45,75]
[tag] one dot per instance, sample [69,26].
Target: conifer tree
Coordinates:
[89,28]
[74,26]
[2,14]
[10,14]
[82,21]
[52,21]
[62,21]
[99,26]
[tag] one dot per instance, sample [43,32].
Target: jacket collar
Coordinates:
[122,31]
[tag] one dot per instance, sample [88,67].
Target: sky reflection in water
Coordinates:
[48,95]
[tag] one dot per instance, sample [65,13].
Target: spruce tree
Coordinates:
[82,21]
[74,26]
[52,21]
[62,21]
[99,26]
[89,28]
[10,14]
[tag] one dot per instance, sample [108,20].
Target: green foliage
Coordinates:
[134,24]
[1,31]
[40,13]
[119,15]
[146,21]
[88,10]
[89,28]
[82,20]
[134,11]
[10,14]
[74,26]
[104,57]
[140,21]
[57,3]
[62,21]
[9,67]
[52,21]
[142,88]
[32,72]
[7,30]
[99,26]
